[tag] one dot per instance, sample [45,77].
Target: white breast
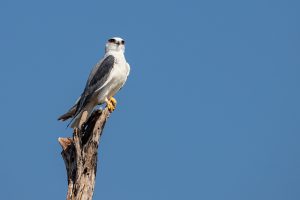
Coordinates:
[117,77]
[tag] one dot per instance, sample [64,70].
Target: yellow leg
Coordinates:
[113,101]
[111,104]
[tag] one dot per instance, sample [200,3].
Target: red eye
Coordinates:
[112,40]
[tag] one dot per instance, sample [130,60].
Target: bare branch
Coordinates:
[80,156]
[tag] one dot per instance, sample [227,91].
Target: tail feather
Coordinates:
[68,114]
[82,116]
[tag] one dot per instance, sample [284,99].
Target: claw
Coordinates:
[111,107]
[113,101]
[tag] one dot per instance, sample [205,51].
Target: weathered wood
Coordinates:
[80,156]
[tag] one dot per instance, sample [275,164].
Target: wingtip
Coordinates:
[61,119]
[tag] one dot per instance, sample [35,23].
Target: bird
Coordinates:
[106,78]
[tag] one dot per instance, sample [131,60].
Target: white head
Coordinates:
[115,44]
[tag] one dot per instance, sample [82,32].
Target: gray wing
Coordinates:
[97,78]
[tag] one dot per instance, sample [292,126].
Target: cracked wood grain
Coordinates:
[80,156]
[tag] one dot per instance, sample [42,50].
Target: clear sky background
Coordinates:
[210,110]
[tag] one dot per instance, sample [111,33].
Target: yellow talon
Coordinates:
[110,105]
[113,101]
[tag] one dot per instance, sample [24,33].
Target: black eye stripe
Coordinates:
[112,40]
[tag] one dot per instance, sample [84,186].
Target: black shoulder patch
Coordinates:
[99,78]
[103,71]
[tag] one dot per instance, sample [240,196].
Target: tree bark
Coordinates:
[80,156]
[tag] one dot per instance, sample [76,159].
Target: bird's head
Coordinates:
[115,44]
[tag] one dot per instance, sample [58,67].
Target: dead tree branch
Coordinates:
[80,156]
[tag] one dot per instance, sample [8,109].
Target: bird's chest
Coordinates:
[119,70]
[119,60]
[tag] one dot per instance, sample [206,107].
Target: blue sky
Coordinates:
[210,110]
